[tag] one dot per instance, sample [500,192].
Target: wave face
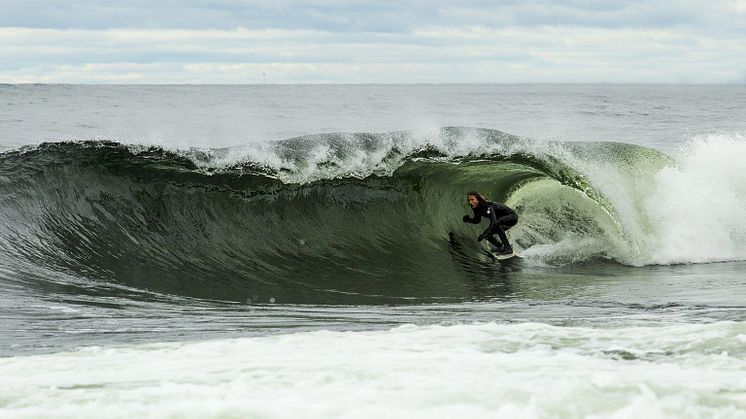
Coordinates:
[348,218]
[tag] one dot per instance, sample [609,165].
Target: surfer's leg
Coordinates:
[505,223]
[503,238]
[494,245]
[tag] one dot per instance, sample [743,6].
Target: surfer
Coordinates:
[501,217]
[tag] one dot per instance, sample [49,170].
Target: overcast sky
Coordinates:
[350,41]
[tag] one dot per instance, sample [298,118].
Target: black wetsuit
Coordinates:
[501,217]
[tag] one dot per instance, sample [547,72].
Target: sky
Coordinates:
[351,41]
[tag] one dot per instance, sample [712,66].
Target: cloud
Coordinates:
[337,16]
[434,54]
[364,16]
[386,41]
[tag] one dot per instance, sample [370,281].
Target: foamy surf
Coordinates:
[528,370]
[698,207]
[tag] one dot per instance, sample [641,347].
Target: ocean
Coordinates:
[298,251]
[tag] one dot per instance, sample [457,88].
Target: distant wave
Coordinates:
[343,218]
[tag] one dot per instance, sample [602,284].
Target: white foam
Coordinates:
[359,160]
[486,370]
[64,309]
[689,210]
[699,207]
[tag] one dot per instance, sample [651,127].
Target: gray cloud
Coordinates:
[354,41]
[335,16]
[361,16]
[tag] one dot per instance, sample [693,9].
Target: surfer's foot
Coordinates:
[507,250]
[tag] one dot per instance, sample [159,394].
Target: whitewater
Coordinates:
[285,251]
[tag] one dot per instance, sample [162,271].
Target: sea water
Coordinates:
[286,251]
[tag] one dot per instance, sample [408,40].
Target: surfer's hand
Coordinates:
[466,218]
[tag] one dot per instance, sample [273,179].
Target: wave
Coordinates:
[339,218]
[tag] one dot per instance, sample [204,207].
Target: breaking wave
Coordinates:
[345,218]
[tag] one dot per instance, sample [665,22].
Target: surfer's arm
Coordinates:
[494,225]
[474,220]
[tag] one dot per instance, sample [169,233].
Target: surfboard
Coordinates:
[512,257]
[508,257]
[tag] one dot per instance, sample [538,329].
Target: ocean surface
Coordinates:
[298,251]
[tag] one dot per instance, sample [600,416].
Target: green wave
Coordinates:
[170,222]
